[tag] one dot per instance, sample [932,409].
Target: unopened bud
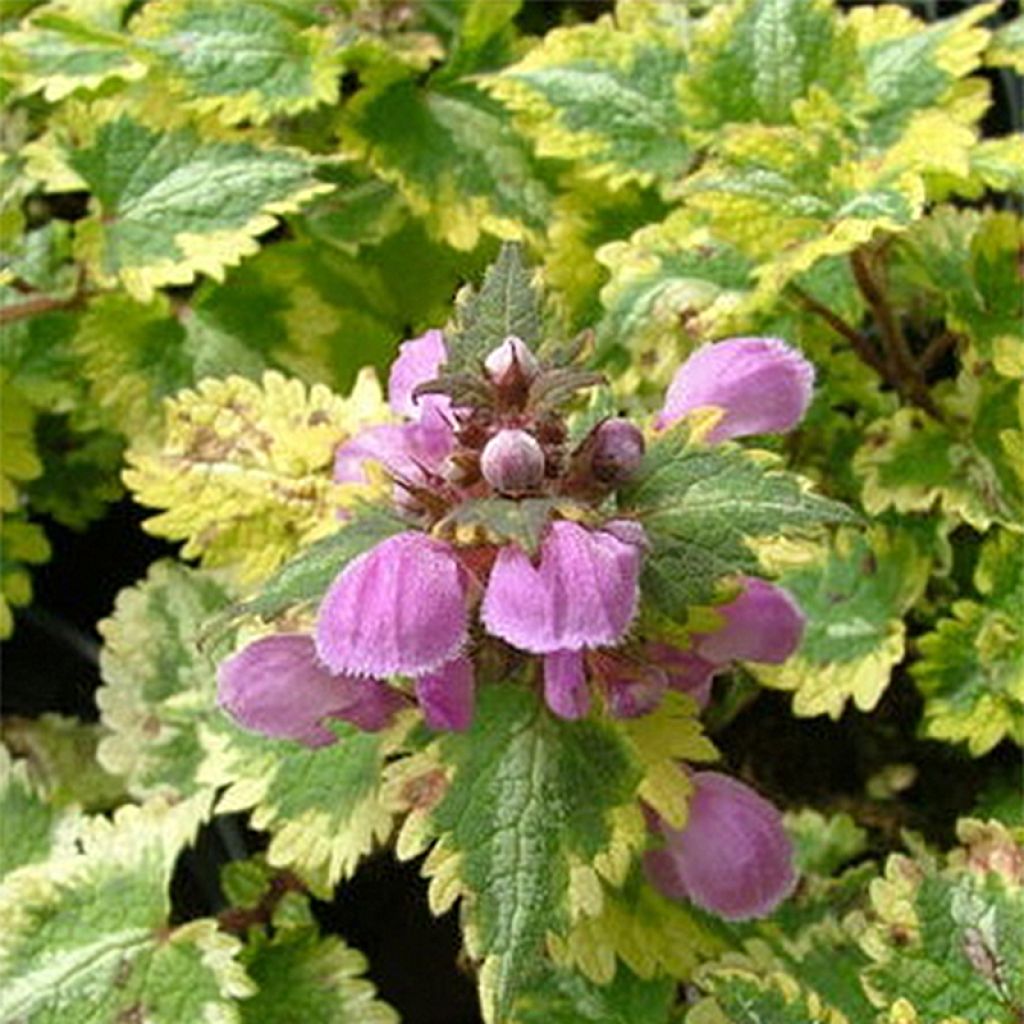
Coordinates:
[511,358]
[618,451]
[512,462]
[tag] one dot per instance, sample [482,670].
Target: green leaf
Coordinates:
[565,997]
[823,844]
[968,260]
[301,977]
[945,939]
[854,596]
[60,754]
[500,520]
[529,814]
[306,577]
[62,48]
[170,205]
[453,157]
[971,672]
[158,685]
[507,303]
[30,821]
[605,98]
[700,505]
[86,934]
[244,472]
[21,544]
[964,466]
[248,60]
[322,806]
[1006,48]
[752,60]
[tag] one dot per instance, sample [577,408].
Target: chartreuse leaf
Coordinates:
[534,811]
[823,844]
[158,684]
[565,997]
[23,543]
[752,60]
[911,66]
[60,753]
[945,938]
[669,282]
[1006,48]
[508,303]
[791,195]
[971,670]
[249,60]
[322,806]
[854,595]
[169,205]
[964,466]
[86,936]
[969,260]
[63,47]
[700,504]
[451,154]
[605,98]
[245,468]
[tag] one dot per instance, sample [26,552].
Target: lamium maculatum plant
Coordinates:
[640,642]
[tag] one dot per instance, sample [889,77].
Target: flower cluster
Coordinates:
[411,618]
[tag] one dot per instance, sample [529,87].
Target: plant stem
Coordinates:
[901,369]
[860,342]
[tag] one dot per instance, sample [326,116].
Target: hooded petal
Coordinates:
[733,856]
[582,594]
[447,696]
[633,686]
[763,624]
[407,451]
[685,671]
[418,361]
[398,608]
[762,385]
[277,686]
[565,684]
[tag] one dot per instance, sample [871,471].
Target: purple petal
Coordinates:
[407,451]
[637,692]
[762,384]
[685,671]
[733,856]
[583,593]
[447,696]
[565,684]
[763,624]
[277,686]
[398,608]
[418,361]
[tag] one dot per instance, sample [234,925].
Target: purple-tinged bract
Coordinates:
[732,857]
[398,608]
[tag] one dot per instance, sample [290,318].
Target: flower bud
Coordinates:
[512,462]
[512,358]
[617,452]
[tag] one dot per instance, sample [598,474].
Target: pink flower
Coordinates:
[398,608]
[277,686]
[418,361]
[762,384]
[762,624]
[408,451]
[565,684]
[732,858]
[583,593]
[447,696]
